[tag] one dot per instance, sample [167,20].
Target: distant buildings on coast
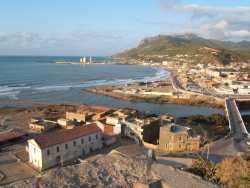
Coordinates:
[82,60]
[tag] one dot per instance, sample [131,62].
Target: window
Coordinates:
[48,152]
[57,149]
[74,143]
[96,136]
[82,141]
[89,138]
[66,146]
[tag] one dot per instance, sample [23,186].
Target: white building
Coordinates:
[57,147]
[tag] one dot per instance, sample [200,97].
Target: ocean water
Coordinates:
[39,79]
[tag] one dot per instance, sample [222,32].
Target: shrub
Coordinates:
[234,172]
[204,168]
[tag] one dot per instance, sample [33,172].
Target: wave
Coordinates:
[159,75]
[11,92]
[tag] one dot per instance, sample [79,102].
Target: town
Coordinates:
[64,135]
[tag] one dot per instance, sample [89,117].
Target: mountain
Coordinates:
[205,50]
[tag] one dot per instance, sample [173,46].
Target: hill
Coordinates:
[200,49]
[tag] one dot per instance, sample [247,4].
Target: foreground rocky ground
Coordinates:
[113,170]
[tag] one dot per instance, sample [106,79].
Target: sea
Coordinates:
[39,79]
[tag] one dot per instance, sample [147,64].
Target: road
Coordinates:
[235,143]
[237,126]
[177,86]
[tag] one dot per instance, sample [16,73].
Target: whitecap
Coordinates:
[11,91]
[159,75]
[10,94]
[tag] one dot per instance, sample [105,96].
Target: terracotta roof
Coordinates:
[10,135]
[65,135]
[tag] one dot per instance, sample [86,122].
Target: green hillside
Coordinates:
[205,50]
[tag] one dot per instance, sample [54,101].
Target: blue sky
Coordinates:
[95,27]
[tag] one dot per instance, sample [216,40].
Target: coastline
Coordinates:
[195,100]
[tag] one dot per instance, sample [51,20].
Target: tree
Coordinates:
[224,57]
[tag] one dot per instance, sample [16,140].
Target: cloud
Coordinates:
[220,22]
[244,34]
[73,43]
[203,10]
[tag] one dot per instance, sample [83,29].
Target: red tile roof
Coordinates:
[65,135]
[10,135]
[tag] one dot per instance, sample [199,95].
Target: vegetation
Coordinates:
[204,168]
[214,119]
[210,127]
[224,57]
[234,172]
[202,50]
[230,173]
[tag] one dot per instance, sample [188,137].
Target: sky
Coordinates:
[105,27]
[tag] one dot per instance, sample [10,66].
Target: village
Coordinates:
[210,79]
[63,136]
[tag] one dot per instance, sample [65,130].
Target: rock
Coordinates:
[114,170]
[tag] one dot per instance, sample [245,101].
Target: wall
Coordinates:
[68,154]
[75,116]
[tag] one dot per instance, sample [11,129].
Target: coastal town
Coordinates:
[125,94]
[64,135]
[53,137]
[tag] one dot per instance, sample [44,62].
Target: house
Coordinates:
[176,138]
[106,127]
[64,145]
[42,125]
[125,113]
[79,116]
[144,128]
[66,124]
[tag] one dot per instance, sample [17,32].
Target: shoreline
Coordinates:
[195,101]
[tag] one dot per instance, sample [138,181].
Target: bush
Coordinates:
[214,119]
[234,172]
[230,173]
[205,169]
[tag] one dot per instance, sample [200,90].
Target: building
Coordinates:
[78,116]
[66,124]
[11,135]
[41,125]
[143,129]
[114,129]
[176,138]
[60,146]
